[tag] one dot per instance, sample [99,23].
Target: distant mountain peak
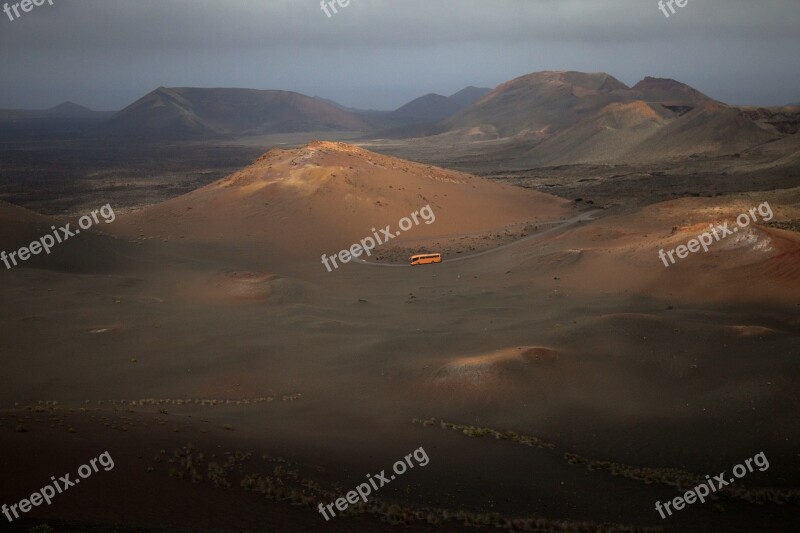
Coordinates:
[469,95]
[68,106]
[663,83]
[669,91]
[587,80]
[434,107]
[190,112]
[70,110]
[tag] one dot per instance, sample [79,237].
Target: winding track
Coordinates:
[560,224]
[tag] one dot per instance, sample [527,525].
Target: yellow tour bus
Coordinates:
[426,259]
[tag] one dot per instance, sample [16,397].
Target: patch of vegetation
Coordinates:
[472,431]
[284,484]
[681,479]
[684,480]
[791,225]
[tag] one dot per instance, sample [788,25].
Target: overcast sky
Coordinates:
[379,54]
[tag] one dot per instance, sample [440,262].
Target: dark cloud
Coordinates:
[380,53]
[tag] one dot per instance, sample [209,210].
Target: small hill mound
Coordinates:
[326,196]
[495,368]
